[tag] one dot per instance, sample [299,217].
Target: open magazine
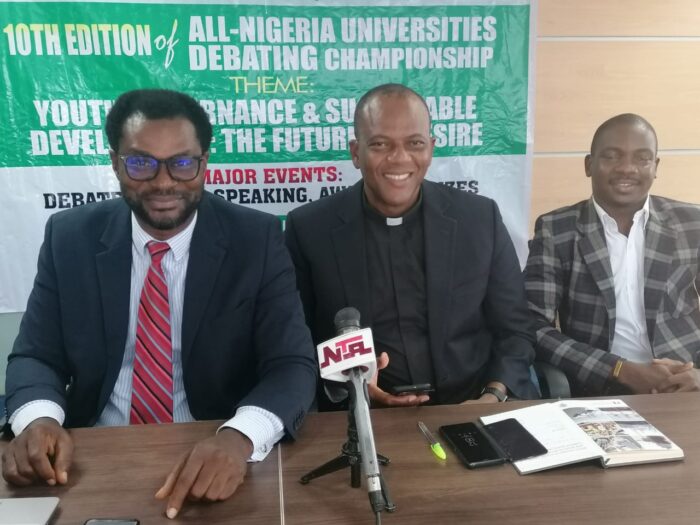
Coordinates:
[580,430]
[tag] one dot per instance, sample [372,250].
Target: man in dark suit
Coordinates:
[613,280]
[432,270]
[122,327]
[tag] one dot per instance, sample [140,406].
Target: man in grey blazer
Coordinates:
[431,269]
[207,325]
[613,280]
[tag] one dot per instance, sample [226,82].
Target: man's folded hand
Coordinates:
[42,452]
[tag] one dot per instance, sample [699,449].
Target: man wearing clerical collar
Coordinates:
[613,280]
[431,269]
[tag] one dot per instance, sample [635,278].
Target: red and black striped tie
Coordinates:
[152,390]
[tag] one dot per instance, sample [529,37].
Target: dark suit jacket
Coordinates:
[569,279]
[479,326]
[244,340]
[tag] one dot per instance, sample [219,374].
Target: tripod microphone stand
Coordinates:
[351,456]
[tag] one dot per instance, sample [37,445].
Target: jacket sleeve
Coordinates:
[303,273]
[285,357]
[508,318]
[37,366]
[545,283]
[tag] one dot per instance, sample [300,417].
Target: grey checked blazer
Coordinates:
[569,284]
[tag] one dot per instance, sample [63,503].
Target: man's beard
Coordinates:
[191,200]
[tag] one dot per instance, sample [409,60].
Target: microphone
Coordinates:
[351,348]
[349,358]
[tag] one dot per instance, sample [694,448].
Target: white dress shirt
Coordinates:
[262,427]
[631,340]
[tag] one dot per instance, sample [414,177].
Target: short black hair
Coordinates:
[157,104]
[384,90]
[624,118]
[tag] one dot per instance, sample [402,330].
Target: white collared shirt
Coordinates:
[262,427]
[631,340]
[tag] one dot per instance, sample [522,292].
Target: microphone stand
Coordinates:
[351,456]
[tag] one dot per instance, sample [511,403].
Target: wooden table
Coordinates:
[428,491]
[116,472]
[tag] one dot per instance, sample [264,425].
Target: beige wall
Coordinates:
[598,58]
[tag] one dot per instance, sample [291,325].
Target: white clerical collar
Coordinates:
[406,218]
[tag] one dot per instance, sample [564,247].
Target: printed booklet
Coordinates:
[578,430]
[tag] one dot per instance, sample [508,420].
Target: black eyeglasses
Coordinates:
[144,167]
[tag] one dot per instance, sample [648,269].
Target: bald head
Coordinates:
[627,119]
[393,147]
[364,105]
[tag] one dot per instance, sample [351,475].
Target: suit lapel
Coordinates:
[113,265]
[351,253]
[207,251]
[659,246]
[594,252]
[439,234]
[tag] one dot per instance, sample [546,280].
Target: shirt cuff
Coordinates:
[24,415]
[262,427]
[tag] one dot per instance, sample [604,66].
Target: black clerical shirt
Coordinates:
[398,295]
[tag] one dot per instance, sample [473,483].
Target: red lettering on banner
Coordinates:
[300,175]
[230,176]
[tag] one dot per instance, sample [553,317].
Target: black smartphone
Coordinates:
[471,445]
[111,521]
[514,439]
[418,389]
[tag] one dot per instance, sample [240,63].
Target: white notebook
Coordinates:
[27,511]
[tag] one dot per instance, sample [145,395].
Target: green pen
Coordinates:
[434,444]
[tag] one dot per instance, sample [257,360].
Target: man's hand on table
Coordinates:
[659,376]
[42,452]
[684,377]
[211,471]
[484,398]
[487,397]
[643,378]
